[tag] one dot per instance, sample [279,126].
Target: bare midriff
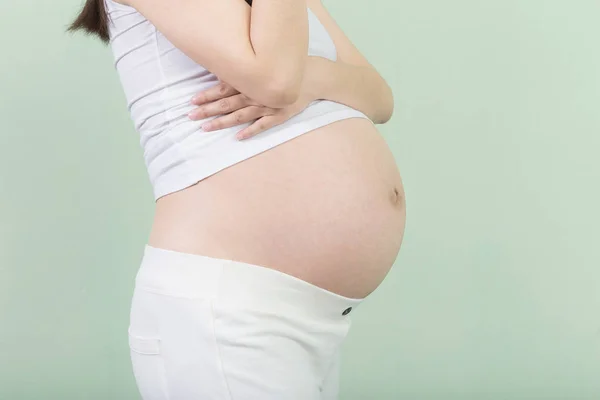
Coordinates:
[326,207]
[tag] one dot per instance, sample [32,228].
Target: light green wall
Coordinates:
[496,292]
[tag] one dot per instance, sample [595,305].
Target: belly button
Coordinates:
[395,197]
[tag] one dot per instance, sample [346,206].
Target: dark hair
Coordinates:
[94,20]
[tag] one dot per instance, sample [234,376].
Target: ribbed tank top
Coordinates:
[159,80]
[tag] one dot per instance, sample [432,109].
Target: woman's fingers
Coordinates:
[220,107]
[214,93]
[241,116]
[261,125]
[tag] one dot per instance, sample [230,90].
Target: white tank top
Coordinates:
[159,80]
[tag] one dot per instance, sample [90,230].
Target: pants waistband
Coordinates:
[230,283]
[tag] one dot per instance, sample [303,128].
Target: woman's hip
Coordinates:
[204,327]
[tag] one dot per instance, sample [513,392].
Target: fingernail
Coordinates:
[194,99]
[206,126]
[192,115]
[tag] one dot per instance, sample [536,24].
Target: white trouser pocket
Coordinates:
[148,367]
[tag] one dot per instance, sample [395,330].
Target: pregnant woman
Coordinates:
[279,206]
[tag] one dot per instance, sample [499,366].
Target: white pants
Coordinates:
[208,328]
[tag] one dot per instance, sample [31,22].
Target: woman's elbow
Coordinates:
[386,109]
[276,87]
[387,113]
[280,93]
[273,96]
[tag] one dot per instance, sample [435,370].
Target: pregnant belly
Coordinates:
[327,207]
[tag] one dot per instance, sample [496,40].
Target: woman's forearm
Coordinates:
[260,50]
[358,87]
[279,37]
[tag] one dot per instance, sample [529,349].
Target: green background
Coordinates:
[496,291]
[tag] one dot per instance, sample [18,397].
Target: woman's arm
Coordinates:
[259,50]
[351,79]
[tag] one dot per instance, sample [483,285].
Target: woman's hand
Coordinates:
[239,109]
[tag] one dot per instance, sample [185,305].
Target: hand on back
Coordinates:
[233,108]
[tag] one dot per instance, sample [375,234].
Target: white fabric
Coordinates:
[159,80]
[203,328]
